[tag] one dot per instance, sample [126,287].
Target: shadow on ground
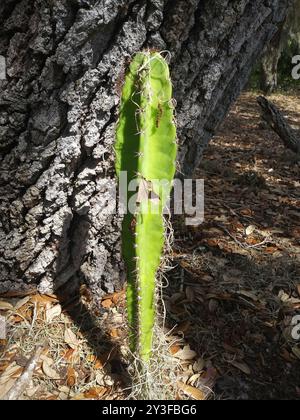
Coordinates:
[240,270]
[86,313]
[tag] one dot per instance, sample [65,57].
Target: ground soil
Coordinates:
[233,292]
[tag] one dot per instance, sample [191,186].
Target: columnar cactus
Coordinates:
[145,149]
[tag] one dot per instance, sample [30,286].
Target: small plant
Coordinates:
[146,150]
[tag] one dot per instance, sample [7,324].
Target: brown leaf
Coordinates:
[296,351]
[271,249]
[19,293]
[16,319]
[49,371]
[99,364]
[114,333]
[91,358]
[296,233]
[69,354]
[71,339]
[5,306]
[43,300]
[71,376]
[13,371]
[287,356]
[191,391]
[115,297]
[96,392]
[233,350]
[107,303]
[246,212]
[21,303]
[252,241]
[248,294]
[241,366]
[174,349]
[6,387]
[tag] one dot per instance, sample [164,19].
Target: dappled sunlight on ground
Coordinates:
[240,270]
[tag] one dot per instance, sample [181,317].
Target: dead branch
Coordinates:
[279,124]
[22,382]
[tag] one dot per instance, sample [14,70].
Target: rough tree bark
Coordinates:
[270,61]
[278,123]
[288,31]
[58,109]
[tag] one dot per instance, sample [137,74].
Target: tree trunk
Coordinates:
[269,64]
[288,31]
[58,110]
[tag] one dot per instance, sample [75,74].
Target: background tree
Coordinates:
[59,106]
[285,43]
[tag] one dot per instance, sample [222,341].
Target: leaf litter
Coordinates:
[232,296]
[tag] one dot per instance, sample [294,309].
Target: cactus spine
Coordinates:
[146,149]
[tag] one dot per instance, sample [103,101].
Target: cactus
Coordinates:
[146,149]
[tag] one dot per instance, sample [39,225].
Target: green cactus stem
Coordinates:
[146,149]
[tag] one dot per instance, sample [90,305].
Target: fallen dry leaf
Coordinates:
[6,387]
[199,365]
[43,300]
[49,371]
[91,358]
[5,306]
[186,353]
[271,249]
[99,364]
[194,378]
[100,378]
[115,297]
[114,333]
[249,230]
[71,339]
[287,356]
[13,371]
[191,391]
[296,233]
[69,354]
[248,294]
[107,303]
[53,312]
[71,376]
[241,366]
[96,392]
[21,303]
[174,349]
[296,351]
[32,390]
